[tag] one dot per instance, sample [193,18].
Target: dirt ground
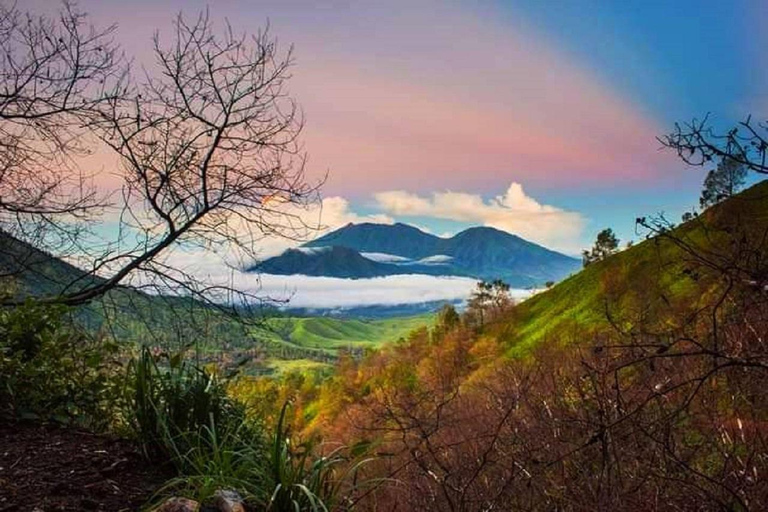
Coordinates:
[50,468]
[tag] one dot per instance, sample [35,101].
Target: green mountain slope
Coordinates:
[582,304]
[330,335]
[132,316]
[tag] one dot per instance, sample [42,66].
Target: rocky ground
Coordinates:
[49,468]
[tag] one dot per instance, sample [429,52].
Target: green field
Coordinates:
[330,335]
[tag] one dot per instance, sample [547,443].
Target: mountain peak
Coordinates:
[485,231]
[367,249]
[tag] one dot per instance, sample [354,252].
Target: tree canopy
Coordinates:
[606,244]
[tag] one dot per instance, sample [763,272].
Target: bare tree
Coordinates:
[209,156]
[54,72]
[699,143]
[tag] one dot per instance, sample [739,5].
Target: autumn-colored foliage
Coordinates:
[660,406]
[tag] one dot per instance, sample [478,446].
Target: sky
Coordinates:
[539,118]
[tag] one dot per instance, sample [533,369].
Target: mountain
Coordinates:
[338,261]
[397,239]
[39,272]
[489,253]
[373,250]
[324,261]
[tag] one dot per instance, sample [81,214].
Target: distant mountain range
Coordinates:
[374,250]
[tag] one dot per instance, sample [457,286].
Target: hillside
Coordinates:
[333,334]
[135,317]
[643,369]
[579,304]
[38,272]
[372,250]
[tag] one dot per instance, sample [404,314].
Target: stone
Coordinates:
[178,505]
[228,501]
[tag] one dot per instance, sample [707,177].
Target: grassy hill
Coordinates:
[654,269]
[332,334]
[637,384]
[322,338]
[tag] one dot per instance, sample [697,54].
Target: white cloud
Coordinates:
[330,292]
[324,292]
[514,212]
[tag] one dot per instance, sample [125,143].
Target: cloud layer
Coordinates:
[514,211]
[329,292]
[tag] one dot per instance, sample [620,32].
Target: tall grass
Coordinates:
[171,407]
[303,480]
[219,459]
[182,414]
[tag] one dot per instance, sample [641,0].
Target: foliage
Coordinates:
[170,402]
[723,182]
[305,482]
[50,370]
[605,245]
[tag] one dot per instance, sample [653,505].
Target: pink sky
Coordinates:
[394,100]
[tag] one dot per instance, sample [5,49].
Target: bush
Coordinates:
[181,413]
[51,370]
[169,400]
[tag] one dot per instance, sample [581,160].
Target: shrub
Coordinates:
[51,370]
[169,400]
[181,413]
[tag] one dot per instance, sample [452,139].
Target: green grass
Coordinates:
[330,335]
[283,366]
[576,307]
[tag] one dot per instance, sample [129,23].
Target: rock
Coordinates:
[228,501]
[178,505]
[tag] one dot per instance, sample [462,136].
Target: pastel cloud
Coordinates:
[514,211]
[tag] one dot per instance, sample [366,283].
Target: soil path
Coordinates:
[49,468]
